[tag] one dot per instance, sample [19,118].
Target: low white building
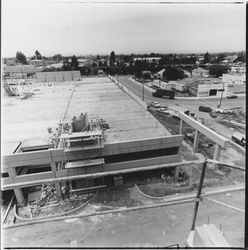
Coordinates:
[160,73]
[220,89]
[200,72]
[236,79]
[238,69]
[205,90]
[162,85]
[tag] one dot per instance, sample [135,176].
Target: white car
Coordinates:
[163,111]
[155,104]
[223,111]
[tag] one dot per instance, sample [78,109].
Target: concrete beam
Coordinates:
[212,135]
[98,175]
[227,164]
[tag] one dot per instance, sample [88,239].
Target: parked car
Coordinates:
[193,115]
[223,111]
[213,114]
[231,96]
[155,105]
[164,106]
[205,109]
[163,111]
[201,120]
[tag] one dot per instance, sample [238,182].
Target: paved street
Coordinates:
[191,104]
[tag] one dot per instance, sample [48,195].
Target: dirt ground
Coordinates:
[161,227]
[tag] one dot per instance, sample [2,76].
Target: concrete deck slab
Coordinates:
[29,119]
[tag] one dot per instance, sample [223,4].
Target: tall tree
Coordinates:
[38,55]
[21,58]
[220,57]
[57,58]
[217,70]
[112,58]
[207,58]
[74,63]
[66,65]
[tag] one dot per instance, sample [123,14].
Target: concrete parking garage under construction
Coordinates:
[133,139]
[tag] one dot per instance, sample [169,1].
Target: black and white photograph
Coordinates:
[123,124]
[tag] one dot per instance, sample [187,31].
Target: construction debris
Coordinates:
[48,192]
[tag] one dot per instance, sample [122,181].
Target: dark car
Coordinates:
[231,96]
[205,109]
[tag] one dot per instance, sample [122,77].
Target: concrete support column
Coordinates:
[217,149]
[181,126]
[196,140]
[18,191]
[57,184]
[176,174]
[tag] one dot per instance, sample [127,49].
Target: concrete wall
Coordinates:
[93,169]
[58,76]
[142,145]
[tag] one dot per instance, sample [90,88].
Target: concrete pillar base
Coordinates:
[19,196]
[176,174]
[58,190]
[196,140]
[216,157]
[217,149]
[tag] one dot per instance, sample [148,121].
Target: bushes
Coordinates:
[173,73]
[217,70]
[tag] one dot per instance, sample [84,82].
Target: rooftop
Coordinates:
[29,119]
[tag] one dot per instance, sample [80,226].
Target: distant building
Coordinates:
[20,69]
[236,79]
[205,90]
[37,63]
[100,72]
[219,89]
[160,74]
[149,59]
[55,66]
[238,69]
[201,59]
[186,73]
[231,59]
[200,72]
[162,85]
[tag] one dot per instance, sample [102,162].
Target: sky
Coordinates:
[74,27]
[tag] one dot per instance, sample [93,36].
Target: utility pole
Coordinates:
[143,95]
[198,196]
[221,95]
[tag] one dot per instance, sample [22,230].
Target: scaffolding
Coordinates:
[90,141]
